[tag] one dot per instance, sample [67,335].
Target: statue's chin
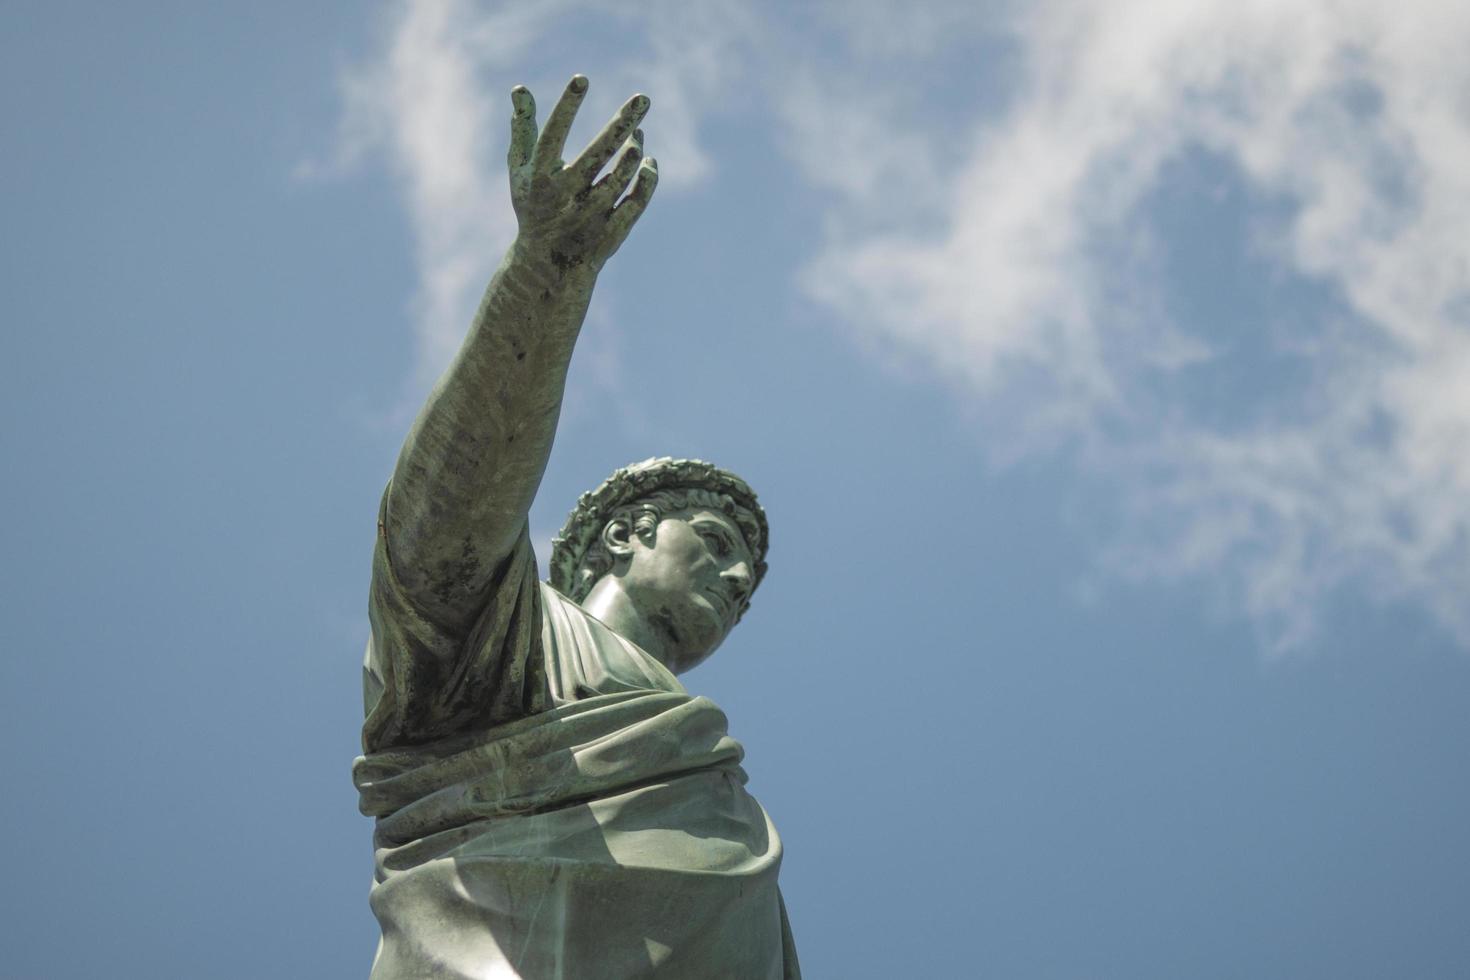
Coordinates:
[685,655]
[697,640]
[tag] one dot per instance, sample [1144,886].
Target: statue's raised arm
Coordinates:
[474,458]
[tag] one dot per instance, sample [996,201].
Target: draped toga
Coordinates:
[551,802]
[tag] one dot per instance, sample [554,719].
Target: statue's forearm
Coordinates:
[470,467]
[475,456]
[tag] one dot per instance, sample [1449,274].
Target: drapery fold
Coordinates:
[551,802]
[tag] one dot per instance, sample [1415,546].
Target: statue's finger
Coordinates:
[554,134]
[522,127]
[628,212]
[612,185]
[601,149]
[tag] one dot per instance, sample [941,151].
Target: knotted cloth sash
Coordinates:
[608,837]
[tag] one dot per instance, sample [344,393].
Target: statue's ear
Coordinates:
[615,535]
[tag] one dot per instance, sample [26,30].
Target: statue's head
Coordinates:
[671,549]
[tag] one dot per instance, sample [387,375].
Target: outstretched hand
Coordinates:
[565,212]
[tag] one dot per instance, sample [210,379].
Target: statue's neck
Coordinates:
[608,603]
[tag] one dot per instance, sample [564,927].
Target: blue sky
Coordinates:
[1104,369]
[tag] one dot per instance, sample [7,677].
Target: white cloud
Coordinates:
[1035,294]
[1004,240]
[434,103]
[425,105]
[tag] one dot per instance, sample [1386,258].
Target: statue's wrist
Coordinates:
[547,267]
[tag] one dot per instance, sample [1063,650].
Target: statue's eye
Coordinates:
[716,541]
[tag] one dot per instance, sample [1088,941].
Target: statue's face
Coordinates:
[690,580]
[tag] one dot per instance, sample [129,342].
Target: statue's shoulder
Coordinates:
[585,656]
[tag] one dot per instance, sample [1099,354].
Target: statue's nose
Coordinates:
[738,576]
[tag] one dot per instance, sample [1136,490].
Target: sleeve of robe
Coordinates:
[423,681]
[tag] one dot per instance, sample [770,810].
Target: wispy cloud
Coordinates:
[433,102]
[426,105]
[995,221]
[1037,294]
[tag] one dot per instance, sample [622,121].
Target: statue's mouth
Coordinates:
[723,604]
